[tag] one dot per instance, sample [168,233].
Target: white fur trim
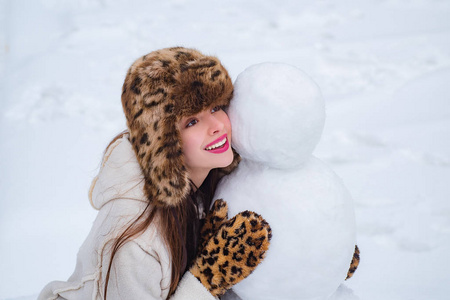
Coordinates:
[190,288]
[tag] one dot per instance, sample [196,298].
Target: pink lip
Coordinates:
[221,149]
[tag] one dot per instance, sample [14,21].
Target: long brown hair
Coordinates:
[179,226]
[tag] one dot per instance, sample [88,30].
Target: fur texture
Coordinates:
[230,249]
[354,264]
[159,89]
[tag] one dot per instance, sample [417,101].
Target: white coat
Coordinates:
[142,267]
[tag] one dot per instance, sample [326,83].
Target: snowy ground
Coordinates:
[384,69]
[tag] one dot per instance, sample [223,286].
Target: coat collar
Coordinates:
[120,176]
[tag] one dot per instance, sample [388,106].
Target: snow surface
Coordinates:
[383,68]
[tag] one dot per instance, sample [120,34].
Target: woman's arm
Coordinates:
[137,274]
[230,250]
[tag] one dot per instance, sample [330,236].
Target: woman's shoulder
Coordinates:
[151,239]
[146,248]
[141,266]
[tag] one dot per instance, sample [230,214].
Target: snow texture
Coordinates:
[277,116]
[383,68]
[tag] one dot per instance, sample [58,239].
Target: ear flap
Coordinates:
[167,167]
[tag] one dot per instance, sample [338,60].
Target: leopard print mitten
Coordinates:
[354,264]
[217,215]
[230,249]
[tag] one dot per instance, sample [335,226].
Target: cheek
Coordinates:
[191,142]
[226,121]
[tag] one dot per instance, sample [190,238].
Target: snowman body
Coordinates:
[312,221]
[306,204]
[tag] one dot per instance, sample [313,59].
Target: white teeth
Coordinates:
[218,144]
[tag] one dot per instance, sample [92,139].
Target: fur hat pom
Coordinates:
[159,89]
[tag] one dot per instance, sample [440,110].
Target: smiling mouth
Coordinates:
[218,145]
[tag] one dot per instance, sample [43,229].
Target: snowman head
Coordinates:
[277,115]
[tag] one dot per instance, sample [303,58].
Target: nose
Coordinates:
[215,125]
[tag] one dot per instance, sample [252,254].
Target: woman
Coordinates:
[150,239]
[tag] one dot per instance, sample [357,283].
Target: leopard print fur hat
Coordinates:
[159,89]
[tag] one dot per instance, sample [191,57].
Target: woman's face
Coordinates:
[206,139]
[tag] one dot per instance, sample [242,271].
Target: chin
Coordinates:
[230,160]
[225,161]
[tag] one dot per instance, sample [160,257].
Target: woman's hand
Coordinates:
[230,249]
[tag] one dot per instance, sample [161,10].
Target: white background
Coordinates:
[383,67]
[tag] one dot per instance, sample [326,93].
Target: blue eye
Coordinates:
[217,108]
[191,123]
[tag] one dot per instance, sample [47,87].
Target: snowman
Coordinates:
[277,116]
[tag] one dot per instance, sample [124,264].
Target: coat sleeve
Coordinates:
[190,288]
[137,274]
